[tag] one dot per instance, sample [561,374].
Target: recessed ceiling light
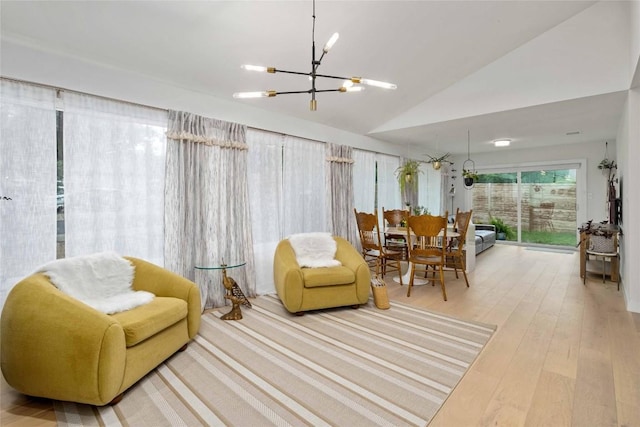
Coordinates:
[502,142]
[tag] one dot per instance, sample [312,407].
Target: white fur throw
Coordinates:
[315,249]
[102,281]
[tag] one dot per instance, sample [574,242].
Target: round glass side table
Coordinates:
[232,291]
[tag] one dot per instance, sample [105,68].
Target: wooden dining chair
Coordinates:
[455,256]
[377,256]
[393,241]
[428,237]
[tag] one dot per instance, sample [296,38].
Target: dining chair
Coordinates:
[393,241]
[455,256]
[377,256]
[428,237]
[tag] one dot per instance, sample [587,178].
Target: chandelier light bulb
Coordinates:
[354,89]
[262,94]
[347,84]
[377,83]
[331,42]
[258,68]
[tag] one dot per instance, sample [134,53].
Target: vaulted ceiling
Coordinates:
[536,72]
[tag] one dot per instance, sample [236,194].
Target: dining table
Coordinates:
[452,233]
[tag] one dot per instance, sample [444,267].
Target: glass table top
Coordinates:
[221,266]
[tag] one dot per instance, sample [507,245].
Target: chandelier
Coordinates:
[350,84]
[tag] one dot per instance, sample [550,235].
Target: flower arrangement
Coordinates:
[596,230]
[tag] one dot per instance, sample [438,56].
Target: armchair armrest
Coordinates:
[287,274]
[164,283]
[53,342]
[353,260]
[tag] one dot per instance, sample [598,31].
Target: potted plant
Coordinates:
[407,175]
[469,177]
[503,230]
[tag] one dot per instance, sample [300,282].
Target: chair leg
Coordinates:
[399,271]
[464,273]
[116,399]
[413,272]
[454,261]
[444,292]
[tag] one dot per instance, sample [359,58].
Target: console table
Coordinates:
[612,269]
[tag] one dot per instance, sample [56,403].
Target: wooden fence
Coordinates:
[545,207]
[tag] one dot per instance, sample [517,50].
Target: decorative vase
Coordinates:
[468,182]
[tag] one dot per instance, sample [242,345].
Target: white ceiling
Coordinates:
[531,71]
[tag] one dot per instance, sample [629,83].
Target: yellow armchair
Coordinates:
[57,347]
[304,289]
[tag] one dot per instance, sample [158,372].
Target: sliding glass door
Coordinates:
[548,208]
[529,205]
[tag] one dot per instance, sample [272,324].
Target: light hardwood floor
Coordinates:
[564,354]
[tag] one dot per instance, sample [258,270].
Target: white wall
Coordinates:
[629,150]
[628,153]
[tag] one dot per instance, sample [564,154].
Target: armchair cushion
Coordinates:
[149,319]
[327,276]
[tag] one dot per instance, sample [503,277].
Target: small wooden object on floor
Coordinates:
[379,290]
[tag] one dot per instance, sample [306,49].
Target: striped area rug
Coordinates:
[339,367]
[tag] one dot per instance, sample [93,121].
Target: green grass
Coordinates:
[549,238]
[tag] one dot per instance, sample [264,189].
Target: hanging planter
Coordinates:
[606,164]
[437,162]
[407,175]
[469,175]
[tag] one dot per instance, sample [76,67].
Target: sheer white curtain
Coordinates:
[388,189]
[304,192]
[27,181]
[429,190]
[114,156]
[207,219]
[265,198]
[364,180]
[340,191]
